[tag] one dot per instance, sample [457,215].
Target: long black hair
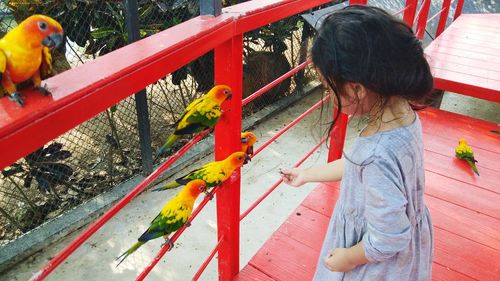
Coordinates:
[366,45]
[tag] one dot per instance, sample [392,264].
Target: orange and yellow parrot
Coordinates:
[25,54]
[172,217]
[213,173]
[201,114]
[464,152]
[248,139]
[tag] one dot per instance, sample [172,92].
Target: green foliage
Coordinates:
[42,165]
[273,35]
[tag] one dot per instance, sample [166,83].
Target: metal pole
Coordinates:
[141,101]
[210,7]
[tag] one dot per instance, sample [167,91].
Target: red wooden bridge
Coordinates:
[464,207]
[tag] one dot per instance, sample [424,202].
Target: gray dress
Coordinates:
[381,204]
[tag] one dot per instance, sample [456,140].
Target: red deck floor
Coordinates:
[465,210]
[464,58]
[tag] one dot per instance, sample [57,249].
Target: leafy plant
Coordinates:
[42,165]
[272,35]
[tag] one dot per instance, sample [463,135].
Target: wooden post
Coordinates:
[229,71]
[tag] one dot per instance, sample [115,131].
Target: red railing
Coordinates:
[81,93]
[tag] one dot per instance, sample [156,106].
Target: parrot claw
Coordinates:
[43,90]
[16,97]
[209,195]
[170,244]
[188,224]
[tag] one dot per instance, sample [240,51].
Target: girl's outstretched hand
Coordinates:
[294,177]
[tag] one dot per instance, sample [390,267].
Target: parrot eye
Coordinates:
[226,92]
[240,158]
[42,25]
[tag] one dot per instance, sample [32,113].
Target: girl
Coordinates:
[373,65]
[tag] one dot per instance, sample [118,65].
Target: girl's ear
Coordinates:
[356,90]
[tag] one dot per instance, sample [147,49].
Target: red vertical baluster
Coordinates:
[443,17]
[358,2]
[411,9]
[229,71]
[422,18]
[458,10]
[337,137]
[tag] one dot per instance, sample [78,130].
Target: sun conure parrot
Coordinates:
[213,173]
[464,152]
[25,54]
[199,115]
[172,217]
[248,139]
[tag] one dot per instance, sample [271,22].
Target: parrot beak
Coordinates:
[243,140]
[247,159]
[229,96]
[53,40]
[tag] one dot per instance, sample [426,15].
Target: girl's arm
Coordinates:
[327,173]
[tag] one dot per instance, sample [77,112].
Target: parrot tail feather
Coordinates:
[170,185]
[132,249]
[168,144]
[472,163]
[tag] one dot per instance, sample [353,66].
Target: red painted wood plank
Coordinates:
[436,63]
[250,273]
[460,170]
[322,199]
[453,126]
[454,54]
[283,258]
[257,13]
[306,226]
[473,28]
[458,120]
[478,83]
[456,69]
[486,47]
[462,194]
[488,20]
[449,62]
[464,222]
[466,256]
[466,89]
[446,147]
[442,273]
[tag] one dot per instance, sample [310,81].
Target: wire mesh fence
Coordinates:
[104,151]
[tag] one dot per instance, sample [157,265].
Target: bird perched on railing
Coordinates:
[201,114]
[464,152]
[248,139]
[213,173]
[25,54]
[172,217]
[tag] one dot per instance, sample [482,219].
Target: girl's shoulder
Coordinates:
[389,144]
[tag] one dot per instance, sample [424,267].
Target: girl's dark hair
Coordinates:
[367,45]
